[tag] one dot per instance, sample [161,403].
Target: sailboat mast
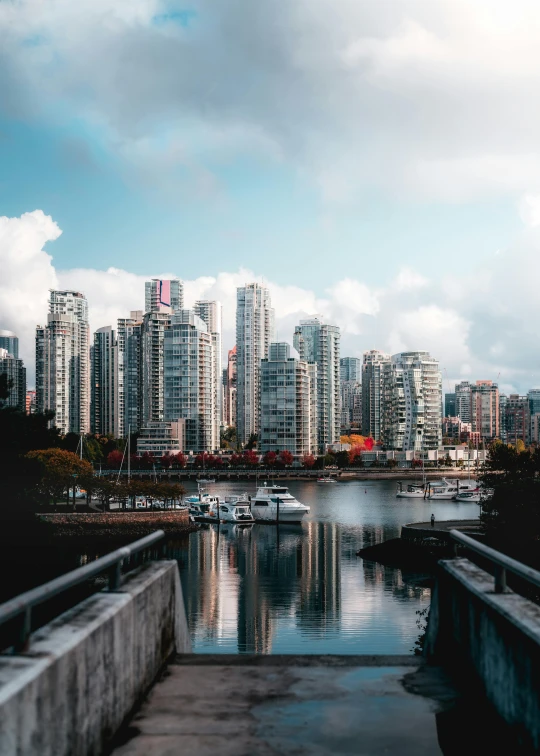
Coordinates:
[129,452]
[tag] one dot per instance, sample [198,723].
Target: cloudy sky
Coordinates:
[375,162]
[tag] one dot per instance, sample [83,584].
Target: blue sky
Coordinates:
[377,161]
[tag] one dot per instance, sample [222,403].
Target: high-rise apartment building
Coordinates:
[350,369]
[63,362]
[30,402]
[210,313]
[129,377]
[372,373]
[230,388]
[154,327]
[105,415]
[450,405]
[15,373]
[159,294]
[517,419]
[254,333]
[485,410]
[318,343]
[285,403]
[10,342]
[533,397]
[412,402]
[463,408]
[189,391]
[503,401]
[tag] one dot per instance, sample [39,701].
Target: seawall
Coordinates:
[116,524]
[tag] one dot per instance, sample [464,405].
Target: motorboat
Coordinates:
[236,511]
[412,491]
[205,480]
[449,488]
[275,504]
[326,479]
[469,497]
[203,507]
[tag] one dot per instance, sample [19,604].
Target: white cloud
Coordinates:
[529,209]
[487,331]
[424,99]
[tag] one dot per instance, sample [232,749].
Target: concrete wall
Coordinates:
[86,670]
[494,637]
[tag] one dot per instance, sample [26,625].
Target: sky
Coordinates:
[376,163]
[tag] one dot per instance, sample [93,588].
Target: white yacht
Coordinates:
[236,511]
[274,503]
[469,497]
[449,488]
[412,491]
[203,507]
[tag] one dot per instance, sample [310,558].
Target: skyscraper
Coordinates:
[463,401]
[318,343]
[285,403]
[230,388]
[485,410]
[210,313]
[254,332]
[188,380]
[129,378]
[412,402]
[154,326]
[372,371]
[534,408]
[105,416]
[10,342]
[161,293]
[351,392]
[517,419]
[15,373]
[450,405]
[63,362]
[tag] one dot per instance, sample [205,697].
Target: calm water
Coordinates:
[302,589]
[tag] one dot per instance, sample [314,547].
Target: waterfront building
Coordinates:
[154,326]
[286,416]
[412,401]
[30,402]
[10,342]
[254,333]
[162,438]
[105,414]
[129,373]
[455,428]
[210,312]
[503,401]
[485,410]
[517,419]
[189,392]
[533,397]
[318,343]
[450,405]
[372,406]
[463,406]
[350,369]
[63,362]
[535,428]
[163,294]
[230,388]
[15,372]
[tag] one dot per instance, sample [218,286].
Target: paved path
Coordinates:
[443,526]
[251,706]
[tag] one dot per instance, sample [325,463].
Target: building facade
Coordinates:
[372,401]
[15,373]
[318,343]
[188,380]
[517,419]
[210,312]
[350,369]
[163,294]
[162,438]
[63,362]
[412,402]
[485,410]
[129,374]
[154,326]
[450,405]
[463,408]
[254,333]
[285,403]
[105,415]
[10,342]
[229,386]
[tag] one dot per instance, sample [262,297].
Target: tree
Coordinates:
[114,460]
[228,438]
[308,461]
[286,458]
[391,462]
[250,458]
[61,470]
[166,460]
[179,460]
[269,459]
[147,461]
[252,442]
[6,384]
[342,459]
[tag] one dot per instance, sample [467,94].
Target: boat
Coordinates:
[449,488]
[275,504]
[203,507]
[236,511]
[469,497]
[413,491]
[205,480]
[326,479]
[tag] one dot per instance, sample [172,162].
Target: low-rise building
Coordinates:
[159,438]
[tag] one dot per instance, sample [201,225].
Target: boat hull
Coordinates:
[286,514]
[410,495]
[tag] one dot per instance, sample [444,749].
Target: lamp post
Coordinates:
[74,476]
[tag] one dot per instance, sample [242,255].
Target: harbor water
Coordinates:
[302,588]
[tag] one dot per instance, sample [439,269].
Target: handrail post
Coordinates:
[115,576]
[25,630]
[500,579]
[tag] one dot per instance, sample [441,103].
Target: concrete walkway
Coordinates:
[268,705]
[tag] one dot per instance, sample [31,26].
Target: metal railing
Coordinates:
[501,562]
[22,605]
